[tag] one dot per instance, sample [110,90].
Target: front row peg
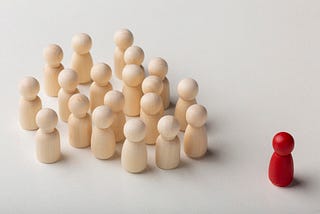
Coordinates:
[47,137]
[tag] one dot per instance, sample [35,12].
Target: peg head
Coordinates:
[123,39]
[68,80]
[151,103]
[81,43]
[29,88]
[115,100]
[53,55]
[132,75]
[283,143]
[188,89]
[79,105]
[152,84]
[102,117]
[134,55]
[134,130]
[158,66]
[47,120]
[196,115]
[101,74]
[168,127]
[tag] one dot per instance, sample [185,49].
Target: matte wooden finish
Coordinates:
[100,74]
[68,80]
[47,137]
[79,122]
[123,39]
[81,60]
[159,67]
[153,84]
[132,77]
[30,103]
[134,151]
[195,138]
[187,91]
[103,143]
[168,143]
[115,100]
[151,112]
[53,56]
[134,55]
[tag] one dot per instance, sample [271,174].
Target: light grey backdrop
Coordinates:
[257,65]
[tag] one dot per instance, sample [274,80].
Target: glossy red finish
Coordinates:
[281,164]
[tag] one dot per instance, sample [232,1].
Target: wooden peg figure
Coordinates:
[134,55]
[30,103]
[281,164]
[123,39]
[79,121]
[53,56]
[68,80]
[47,137]
[134,151]
[153,84]
[103,142]
[195,137]
[100,74]
[132,77]
[81,60]
[187,91]
[115,100]
[159,67]
[151,107]
[168,143]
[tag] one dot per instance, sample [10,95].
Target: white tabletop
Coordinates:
[257,65]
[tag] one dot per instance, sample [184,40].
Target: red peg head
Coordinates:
[283,143]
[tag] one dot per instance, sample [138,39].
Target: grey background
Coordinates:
[257,65]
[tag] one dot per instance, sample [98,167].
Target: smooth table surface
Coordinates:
[257,65]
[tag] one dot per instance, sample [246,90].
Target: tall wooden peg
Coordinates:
[195,138]
[123,39]
[81,60]
[47,137]
[100,74]
[134,151]
[68,80]
[30,103]
[79,122]
[115,100]
[53,56]
[187,91]
[168,143]
[103,142]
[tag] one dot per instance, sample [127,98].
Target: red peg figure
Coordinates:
[281,163]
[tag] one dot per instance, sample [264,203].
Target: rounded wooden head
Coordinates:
[68,80]
[47,119]
[102,117]
[81,43]
[123,39]
[283,143]
[132,75]
[134,55]
[115,100]
[29,88]
[151,103]
[196,115]
[168,127]
[134,130]
[79,105]
[53,55]
[188,89]
[152,84]
[101,74]
[158,66]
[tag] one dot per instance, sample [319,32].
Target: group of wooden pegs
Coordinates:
[144,98]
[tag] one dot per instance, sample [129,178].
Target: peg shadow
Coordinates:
[170,109]
[298,182]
